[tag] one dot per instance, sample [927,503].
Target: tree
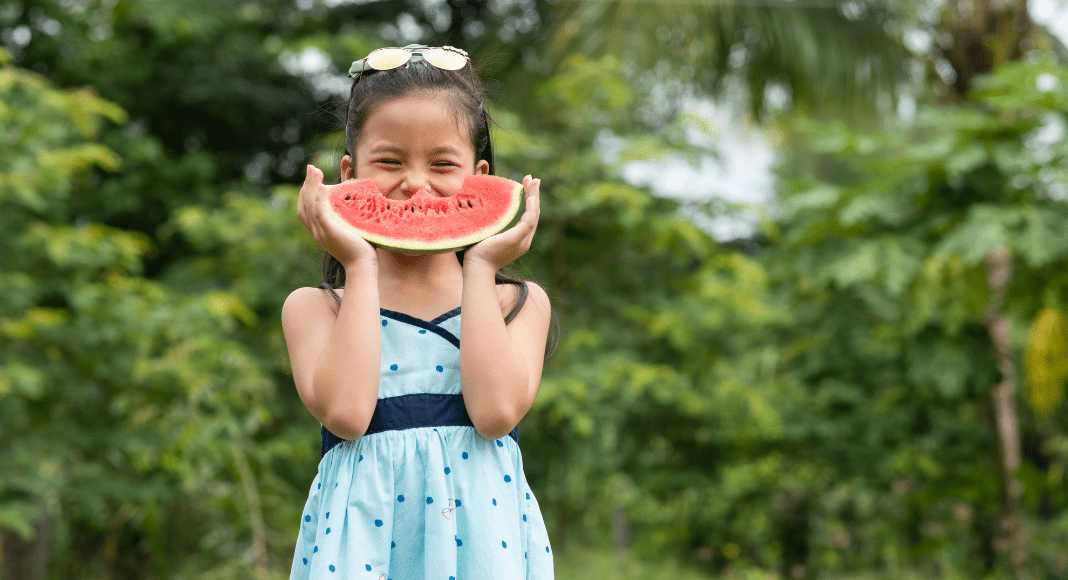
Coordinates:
[831,59]
[895,229]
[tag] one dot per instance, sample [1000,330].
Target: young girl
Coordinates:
[421,474]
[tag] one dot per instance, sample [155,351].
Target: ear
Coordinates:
[348,170]
[482,167]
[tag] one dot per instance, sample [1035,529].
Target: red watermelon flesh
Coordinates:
[426,224]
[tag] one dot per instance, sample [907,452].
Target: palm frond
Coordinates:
[826,57]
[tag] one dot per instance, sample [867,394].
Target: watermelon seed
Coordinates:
[469,203]
[348,197]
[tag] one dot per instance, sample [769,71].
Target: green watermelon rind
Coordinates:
[507,218]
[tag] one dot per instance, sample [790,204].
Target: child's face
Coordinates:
[411,143]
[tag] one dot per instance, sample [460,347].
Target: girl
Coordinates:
[421,474]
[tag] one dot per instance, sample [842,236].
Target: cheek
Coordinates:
[448,185]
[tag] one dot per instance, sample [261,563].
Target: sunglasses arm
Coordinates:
[358,67]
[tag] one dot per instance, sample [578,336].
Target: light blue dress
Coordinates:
[422,495]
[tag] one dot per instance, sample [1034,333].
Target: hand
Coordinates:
[501,249]
[349,249]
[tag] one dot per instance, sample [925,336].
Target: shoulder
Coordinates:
[303,303]
[536,300]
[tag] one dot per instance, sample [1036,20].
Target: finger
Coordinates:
[307,188]
[533,211]
[535,194]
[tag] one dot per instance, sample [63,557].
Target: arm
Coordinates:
[501,365]
[335,355]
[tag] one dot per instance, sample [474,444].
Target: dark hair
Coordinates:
[464,93]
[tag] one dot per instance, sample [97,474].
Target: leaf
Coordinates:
[960,162]
[982,231]
[1042,240]
[1046,361]
[19,518]
[819,197]
[901,263]
[856,265]
[942,365]
[872,206]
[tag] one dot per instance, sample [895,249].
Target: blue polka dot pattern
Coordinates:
[315,549]
[328,530]
[425,363]
[331,567]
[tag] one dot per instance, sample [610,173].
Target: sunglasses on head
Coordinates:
[443,57]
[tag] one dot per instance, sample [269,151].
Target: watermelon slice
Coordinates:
[426,224]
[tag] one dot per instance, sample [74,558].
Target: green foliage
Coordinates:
[832,59]
[881,248]
[816,408]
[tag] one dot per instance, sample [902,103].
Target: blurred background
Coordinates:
[810,259]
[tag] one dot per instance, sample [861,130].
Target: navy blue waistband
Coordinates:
[411,411]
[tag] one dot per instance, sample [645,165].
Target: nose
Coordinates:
[414,180]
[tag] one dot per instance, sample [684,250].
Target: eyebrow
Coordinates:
[387,149]
[444,149]
[434,151]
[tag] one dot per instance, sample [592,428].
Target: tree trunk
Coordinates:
[1011,533]
[26,559]
[985,34]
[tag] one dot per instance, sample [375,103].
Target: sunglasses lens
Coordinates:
[445,59]
[388,58]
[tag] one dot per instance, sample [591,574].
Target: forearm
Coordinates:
[346,377]
[493,373]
